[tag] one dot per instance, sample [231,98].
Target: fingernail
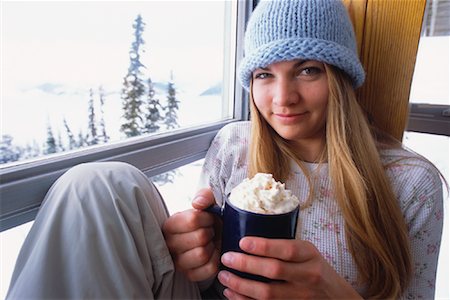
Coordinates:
[227,259]
[201,200]
[223,277]
[246,244]
[227,293]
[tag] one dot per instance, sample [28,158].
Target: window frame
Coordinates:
[24,186]
[429,118]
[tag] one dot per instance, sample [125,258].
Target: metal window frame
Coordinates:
[23,186]
[429,118]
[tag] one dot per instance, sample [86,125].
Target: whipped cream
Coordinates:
[262,194]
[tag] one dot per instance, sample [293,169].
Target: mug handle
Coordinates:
[215,209]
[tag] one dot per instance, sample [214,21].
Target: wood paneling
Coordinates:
[388,33]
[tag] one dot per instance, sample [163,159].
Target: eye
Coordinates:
[310,71]
[262,75]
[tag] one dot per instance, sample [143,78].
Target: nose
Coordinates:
[285,92]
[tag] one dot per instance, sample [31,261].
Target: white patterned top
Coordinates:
[415,181]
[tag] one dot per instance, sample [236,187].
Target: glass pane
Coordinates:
[77,74]
[432,71]
[179,186]
[438,154]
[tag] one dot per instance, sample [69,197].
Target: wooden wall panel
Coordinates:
[388,33]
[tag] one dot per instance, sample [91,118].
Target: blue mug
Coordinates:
[238,223]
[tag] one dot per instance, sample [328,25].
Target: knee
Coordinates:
[104,183]
[100,179]
[97,173]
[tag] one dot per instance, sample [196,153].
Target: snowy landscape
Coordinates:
[71,76]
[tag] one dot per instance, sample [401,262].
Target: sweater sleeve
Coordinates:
[420,193]
[226,162]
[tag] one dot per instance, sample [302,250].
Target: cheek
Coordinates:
[262,101]
[320,98]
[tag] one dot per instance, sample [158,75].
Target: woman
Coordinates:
[371,213]
[363,230]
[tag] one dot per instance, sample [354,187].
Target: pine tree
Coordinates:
[133,85]
[153,115]
[92,138]
[103,135]
[59,144]
[50,145]
[8,152]
[81,140]
[70,137]
[31,150]
[171,118]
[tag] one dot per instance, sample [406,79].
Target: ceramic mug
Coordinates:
[238,223]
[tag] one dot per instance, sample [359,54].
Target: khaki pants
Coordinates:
[98,236]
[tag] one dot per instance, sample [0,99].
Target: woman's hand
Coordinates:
[192,237]
[305,274]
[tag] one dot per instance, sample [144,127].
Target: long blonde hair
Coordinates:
[375,229]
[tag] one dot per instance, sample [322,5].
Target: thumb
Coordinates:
[203,199]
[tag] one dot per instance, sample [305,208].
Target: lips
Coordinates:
[288,115]
[289,118]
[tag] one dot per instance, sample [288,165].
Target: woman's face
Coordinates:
[292,96]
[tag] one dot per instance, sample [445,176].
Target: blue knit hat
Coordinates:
[282,30]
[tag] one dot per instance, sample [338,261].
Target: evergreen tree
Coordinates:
[92,138]
[31,150]
[103,135]
[8,152]
[133,85]
[50,145]
[70,137]
[59,144]
[153,115]
[171,118]
[81,140]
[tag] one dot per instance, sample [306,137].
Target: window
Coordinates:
[72,65]
[429,120]
[90,73]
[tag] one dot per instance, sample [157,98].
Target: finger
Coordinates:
[249,288]
[195,258]
[268,267]
[180,243]
[206,271]
[287,250]
[203,199]
[187,221]
[230,294]
[307,274]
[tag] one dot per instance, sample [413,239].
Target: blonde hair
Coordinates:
[375,229]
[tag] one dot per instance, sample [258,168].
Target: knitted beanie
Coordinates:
[282,30]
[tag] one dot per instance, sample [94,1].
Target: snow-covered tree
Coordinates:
[153,117]
[8,152]
[50,144]
[171,118]
[133,85]
[59,144]
[31,150]
[103,135]
[81,140]
[70,136]
[92,138]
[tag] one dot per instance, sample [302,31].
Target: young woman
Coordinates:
[371,215]
[371,212]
